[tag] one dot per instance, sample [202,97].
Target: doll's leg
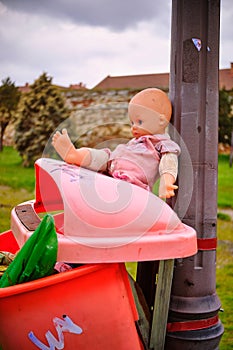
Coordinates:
[64,147]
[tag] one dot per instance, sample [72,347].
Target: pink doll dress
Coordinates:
[138,160]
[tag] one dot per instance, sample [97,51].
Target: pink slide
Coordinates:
[101,219]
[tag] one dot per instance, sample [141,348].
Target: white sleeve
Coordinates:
[169,164]
[99,159]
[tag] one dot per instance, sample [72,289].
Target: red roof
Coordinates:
[160,80]
[139,81]
[226,78]
[25,88]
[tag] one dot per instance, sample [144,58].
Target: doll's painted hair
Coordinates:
[154,99]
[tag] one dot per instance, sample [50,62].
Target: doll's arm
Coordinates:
[89,158]
[168,168]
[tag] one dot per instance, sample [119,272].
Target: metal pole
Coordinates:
[194,306]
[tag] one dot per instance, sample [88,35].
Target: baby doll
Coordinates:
[149,155]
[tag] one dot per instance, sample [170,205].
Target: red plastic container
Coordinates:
[90,307]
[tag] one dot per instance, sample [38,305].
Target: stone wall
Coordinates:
[100,116]
[95,117]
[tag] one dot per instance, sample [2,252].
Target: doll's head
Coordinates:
[149,112]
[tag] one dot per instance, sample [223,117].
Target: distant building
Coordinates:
[226,78]
[140,81]
[25,88]
[79,86]
[160,80]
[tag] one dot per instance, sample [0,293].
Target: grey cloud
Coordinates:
[34,38]
[116,15]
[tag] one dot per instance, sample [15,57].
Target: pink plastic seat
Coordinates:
[101,219]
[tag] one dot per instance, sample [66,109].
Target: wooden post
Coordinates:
[161,305]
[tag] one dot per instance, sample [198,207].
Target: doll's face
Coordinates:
[145,121]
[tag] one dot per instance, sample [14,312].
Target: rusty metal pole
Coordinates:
[193,316]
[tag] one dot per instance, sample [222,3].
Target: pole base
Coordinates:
[204,339]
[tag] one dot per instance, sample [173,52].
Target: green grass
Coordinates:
[9,198]
[12,173]
[225,183]
[17,185]
[224,278]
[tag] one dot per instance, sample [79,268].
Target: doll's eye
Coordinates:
[139,122]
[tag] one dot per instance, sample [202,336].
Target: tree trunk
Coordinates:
[3,128]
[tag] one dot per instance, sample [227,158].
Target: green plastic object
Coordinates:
[36,258]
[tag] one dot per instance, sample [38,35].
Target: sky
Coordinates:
[77,41]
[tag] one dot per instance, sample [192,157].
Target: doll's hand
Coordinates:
[167,187]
